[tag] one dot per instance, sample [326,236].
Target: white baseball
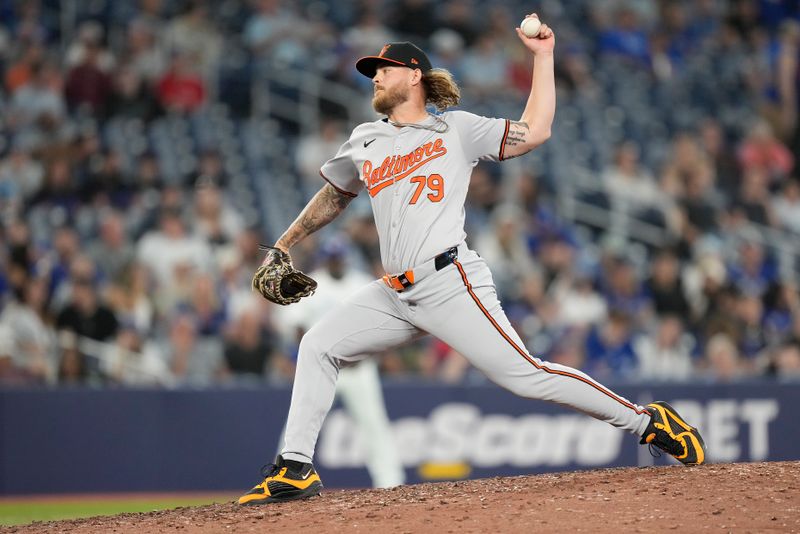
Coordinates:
[530,26]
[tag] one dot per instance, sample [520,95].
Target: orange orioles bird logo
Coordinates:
[383,50]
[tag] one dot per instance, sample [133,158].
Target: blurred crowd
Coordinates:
[122,265]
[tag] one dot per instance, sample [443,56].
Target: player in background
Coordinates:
[359,386]
[415,166]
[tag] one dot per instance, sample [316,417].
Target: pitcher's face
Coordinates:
[392,87]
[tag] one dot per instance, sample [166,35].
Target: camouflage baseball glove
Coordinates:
[278,281]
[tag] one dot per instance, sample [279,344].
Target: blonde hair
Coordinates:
[441,89]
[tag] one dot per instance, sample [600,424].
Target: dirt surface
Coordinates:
[759,497]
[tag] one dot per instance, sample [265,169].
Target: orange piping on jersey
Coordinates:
[530,359]
[503,142]
[339,189]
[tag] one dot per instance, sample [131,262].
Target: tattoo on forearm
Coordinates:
[517,132]
[326,205]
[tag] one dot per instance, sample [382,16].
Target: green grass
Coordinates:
[23,512]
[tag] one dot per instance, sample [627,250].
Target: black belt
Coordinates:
[404,280]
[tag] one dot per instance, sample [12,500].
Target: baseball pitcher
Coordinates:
[415,167]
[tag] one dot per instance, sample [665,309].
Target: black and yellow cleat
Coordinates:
[670,433]
[285,480]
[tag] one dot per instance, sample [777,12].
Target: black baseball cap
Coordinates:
[405,54]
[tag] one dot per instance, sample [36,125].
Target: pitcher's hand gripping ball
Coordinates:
[278,281]
[530,26]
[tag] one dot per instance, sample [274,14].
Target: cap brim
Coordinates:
[369,65]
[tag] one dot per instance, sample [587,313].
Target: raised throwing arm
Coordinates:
[533,128]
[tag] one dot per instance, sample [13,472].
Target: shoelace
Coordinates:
[670,445]
[655,452]
[268,470]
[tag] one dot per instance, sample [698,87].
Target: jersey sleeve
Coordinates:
[341,172]
[482,138]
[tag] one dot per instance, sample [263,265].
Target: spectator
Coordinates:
[216,221]
[781,303]
[705,280]
[277,35]
[369,33]
[721,157]
[413,19]
[579,304]
[787,206]
[88,87]
[247,246]
[632,187]
[194,37]
[505,250]
[785,363]
[609,348]
[204,307]
[485,68]
[623,289]
[781,90]
[170,250]
[38,102]
[751,339]
[699,208]
[25,173]
[181,89]
[315,149]
[627,39]
[113,251]
[57,264]
[22,70]
[667,354]
[73,367]
[131,97]
[686,164]
[85,314]
[211,171]
[457,15]
[193,362]
[129,296]
[90,43]
[665,286]
[32,339]
[447,51]
[762,150]
[146,58]
[86,320]
[752,273]
[754,198]
[248,348]
[133,361]
[107,183]
[722,360]
[60,191]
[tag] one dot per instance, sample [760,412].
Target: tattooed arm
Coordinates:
[533,128]
[326,205]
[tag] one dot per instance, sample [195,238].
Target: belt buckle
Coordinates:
[400,281]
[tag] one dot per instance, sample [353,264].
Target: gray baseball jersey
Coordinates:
[417,179]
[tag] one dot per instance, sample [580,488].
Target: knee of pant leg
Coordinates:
[318,345]
[312,345]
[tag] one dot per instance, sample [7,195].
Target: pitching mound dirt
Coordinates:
[762,497]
